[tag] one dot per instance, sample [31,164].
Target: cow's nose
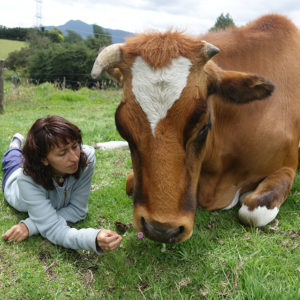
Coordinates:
[161,232]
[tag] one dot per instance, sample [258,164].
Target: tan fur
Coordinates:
[253,145]
[266,133]
[158,49]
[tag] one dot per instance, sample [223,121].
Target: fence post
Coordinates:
[64,83]
[1,85]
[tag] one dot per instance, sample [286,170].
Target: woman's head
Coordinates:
[49,141]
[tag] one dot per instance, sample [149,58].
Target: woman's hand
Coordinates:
[17,233]
[108,240]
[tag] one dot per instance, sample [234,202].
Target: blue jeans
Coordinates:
[11,161]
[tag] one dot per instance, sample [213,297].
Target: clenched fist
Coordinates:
[108,240]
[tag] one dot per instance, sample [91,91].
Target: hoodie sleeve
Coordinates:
[49,223]
[31,226]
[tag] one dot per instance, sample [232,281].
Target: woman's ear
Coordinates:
[45,162]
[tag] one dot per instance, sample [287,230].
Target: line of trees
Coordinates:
[16,33]
[51,56]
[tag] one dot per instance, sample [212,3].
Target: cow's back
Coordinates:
[250,141]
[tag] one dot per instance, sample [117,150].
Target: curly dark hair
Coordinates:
[43,136]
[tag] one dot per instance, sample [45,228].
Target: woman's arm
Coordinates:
[50,224]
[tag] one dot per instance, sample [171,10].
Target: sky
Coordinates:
[193,16]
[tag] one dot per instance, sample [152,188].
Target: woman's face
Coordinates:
[63,158]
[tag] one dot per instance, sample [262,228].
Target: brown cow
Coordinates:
[195,134]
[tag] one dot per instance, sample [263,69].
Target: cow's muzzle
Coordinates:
[161,232]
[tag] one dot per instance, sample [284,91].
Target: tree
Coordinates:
[37,39]
[55,35]
[73,37]
[17,60]
[223,22]
[100,39]
[102,35]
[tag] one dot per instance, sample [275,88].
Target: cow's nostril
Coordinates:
[161,232]
[181,229]
[175,234]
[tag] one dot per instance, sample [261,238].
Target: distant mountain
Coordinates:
[118,36]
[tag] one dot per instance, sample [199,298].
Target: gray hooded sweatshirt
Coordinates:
[50,210]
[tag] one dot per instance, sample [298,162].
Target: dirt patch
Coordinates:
[122,227]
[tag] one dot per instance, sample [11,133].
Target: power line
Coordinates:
[38,15]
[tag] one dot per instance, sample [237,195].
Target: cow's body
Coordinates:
[249,143]
[173,92]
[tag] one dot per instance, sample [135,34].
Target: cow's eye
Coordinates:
[201,136]
[193,123]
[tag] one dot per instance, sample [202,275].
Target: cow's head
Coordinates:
[166,79]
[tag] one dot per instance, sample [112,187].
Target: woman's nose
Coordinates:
[74,156]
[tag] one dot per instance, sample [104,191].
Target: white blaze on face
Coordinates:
[156,90]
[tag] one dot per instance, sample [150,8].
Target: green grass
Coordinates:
[223,259]
[7,46]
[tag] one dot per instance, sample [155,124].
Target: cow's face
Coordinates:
[166,80]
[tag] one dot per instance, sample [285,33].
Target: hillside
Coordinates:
[7,46]
[84,29]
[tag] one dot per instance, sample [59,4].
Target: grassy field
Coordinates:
[7,46]
[222,260]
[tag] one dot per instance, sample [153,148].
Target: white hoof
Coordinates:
[258,217]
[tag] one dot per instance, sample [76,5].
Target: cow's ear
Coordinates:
[238,87]
[116,74]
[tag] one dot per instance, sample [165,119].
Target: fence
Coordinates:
[1,85]
[68,84]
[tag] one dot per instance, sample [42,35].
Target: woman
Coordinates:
[51,181]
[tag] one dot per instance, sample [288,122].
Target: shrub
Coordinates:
[18,59]
[73,61]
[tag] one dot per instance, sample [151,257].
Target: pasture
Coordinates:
[223,259]
[7,46]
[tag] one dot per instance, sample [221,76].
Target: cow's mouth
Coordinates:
[161,232]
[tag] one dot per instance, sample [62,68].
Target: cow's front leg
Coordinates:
[129,184]
[262,205]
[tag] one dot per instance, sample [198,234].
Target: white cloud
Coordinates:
[195,16]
